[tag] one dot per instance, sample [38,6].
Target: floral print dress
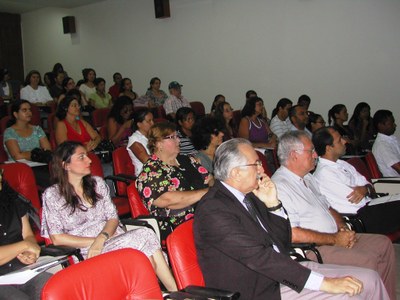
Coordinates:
[158,177]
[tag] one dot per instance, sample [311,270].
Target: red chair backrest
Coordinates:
[360,166]
[35,115]
[20,177]
[122,164]
[135,202]
[3,123]
[51,119]
[264,163]
[161,112]
[52,140]
[183,256]
[99,117]
[120,274]
[96,168]
[198,108]
[372,165]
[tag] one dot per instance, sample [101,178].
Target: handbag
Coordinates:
[40,155]
[104,150]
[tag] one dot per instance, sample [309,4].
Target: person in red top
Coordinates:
[114,89]
[70,127]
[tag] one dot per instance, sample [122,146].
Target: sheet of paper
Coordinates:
[23,275]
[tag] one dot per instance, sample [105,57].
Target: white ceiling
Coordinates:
[23,6]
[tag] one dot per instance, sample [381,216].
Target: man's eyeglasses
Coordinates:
[172,136]
[258,163]
[312,151]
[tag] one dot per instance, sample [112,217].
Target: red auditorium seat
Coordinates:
[120,274]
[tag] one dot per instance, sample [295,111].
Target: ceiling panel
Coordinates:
[23,6]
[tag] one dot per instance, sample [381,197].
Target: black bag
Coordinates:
[104,150]
[40,155]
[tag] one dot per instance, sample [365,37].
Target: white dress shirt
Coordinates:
[335,181]
[304,203]
[386,150]
[294,128]
[41,94]
[279,127]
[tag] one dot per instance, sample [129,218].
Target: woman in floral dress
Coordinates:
[78,212]
[170,184]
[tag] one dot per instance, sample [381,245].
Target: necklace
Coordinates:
[259,122]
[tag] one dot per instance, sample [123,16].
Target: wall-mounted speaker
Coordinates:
[69,24]
[162,9]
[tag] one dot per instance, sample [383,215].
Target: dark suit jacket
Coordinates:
[235,253]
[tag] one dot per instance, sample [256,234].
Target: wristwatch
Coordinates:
[276,207]
[105,234]
[369,190]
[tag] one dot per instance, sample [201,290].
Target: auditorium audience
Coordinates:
[386,148]
[58,68]
[224,115]
[346,190]
[100,99]
[114,89]
[34,91]
[137,143]
[362,126]
[337,116]
[242,238]
[88,87]
[175,100]
[20,138]
[299,117]
[170,184]
[217,100]
[78,212]
[49,79]
[304,101]
[6,91]
[253,127]
[315,121]
[156,96]
[57,88]
[207,136]
[280,122]
[70,127]
[313,220]
[125,89]
[185,118]
[119,122]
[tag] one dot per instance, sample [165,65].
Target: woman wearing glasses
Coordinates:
[170,184]
[315,121]
[70,127]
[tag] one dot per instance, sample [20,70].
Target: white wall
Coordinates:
[336,51]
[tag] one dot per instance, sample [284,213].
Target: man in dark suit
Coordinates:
[244,247]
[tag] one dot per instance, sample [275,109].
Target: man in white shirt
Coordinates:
[313,220]
[280,122]
[299,117]
[175,101]
[346,190]
[242,233]
[386,148]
